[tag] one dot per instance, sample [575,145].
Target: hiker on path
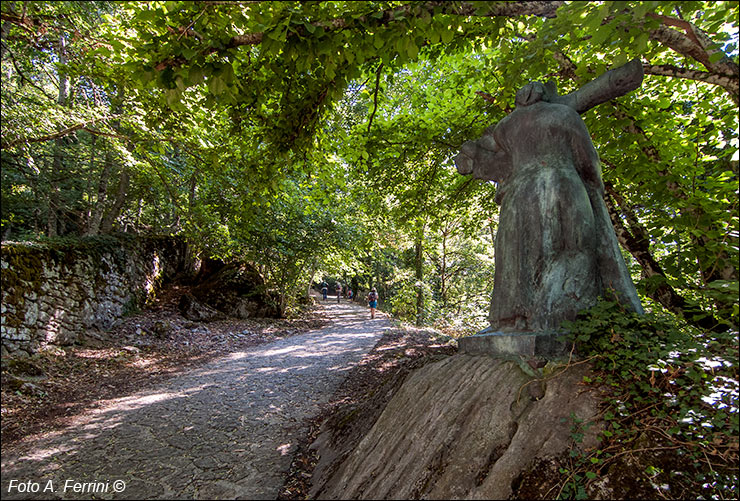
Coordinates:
[372,301]
[325,291]
[339,291]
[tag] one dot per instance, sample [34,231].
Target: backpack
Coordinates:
[372,296]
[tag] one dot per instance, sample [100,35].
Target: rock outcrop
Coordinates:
[196,311]
[236,289]
[466,427]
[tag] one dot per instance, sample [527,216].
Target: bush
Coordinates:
[670,388]
[402,303]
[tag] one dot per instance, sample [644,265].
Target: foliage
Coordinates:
[191,117]
[291,236]
[180,114]
[400,158]
[402,301]
[317,139]
[669,387]
[573,487]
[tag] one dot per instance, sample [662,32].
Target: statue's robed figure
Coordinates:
[556,251]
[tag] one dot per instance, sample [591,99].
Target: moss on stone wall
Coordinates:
[21,274]
[56,287]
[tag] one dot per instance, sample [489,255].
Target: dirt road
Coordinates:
[222,431]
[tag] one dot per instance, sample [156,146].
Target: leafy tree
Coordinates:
[292,237]
[181,113]
[317,139]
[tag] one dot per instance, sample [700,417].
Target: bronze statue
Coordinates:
[556,251]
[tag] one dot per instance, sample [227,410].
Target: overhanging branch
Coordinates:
[466,9]
[59,134]
[730,84]
[375,97]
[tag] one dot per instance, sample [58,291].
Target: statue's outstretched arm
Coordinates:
[613,83]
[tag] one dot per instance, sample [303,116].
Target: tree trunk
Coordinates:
[443,275]
[107,224]
[53,200]
[52,221]
[720,267]
[93,227]
[419,265]
[311,275]
[635,240]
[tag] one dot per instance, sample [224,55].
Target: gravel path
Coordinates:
[222,431]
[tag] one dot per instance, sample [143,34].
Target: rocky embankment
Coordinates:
[463,427]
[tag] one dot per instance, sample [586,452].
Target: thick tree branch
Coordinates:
[696,43]
[729,83]
[466,9]
[722,77]
[679,23]
[106,134]
[24,78]
[634,239]
[24,22]
[375,97]
[692,43]
[57,135]
[680,43]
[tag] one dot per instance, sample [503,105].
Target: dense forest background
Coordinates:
[316,140]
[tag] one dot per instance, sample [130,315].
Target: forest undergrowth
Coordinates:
[670,411]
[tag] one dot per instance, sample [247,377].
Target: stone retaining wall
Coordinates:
[51,292]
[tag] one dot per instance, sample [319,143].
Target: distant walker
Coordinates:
[372,301]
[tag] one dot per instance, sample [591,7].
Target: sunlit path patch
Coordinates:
[225,430]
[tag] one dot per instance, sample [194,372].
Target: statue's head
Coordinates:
[534,92]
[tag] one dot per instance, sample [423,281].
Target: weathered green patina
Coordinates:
[556,251]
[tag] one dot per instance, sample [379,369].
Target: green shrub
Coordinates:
[670,387]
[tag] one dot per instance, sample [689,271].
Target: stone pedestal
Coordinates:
[506,344]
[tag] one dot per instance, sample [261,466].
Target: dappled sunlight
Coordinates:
[247,399]
[271,370]
[279,351]
[41,454]
[340,368]
[89,425]
[134,402]
[237,355]
[391,346]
